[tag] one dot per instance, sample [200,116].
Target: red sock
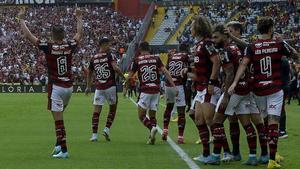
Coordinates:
[167,115]
[181,123]
[61,135]
[204,136]
[273,139]
[262,139]
[251,138]
[95,122]
[235,138]
[219,134]
[145,120]
[110,118]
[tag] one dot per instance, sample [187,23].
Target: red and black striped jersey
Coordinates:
[265,55]
[59,61]
[232,55]
[176,62]
[202,63]
[148,68]
[101,63]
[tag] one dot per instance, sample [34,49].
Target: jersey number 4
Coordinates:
[62,65]
[266,66]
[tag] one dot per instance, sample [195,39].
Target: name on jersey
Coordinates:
[176,57]
[147,61]
[100,60]
[60,52]
[266,51]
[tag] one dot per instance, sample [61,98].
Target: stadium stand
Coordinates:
[21,63]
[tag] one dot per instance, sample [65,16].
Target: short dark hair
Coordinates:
[58,31]
[265,24]
[236,26]
[183,47]
[144,46]
[202,26]
[219,28]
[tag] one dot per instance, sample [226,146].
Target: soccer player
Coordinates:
[265,54]
[59,53]
[176,62]
[149,67]
[206,69]
[105,66]
[235,30]
[239,103]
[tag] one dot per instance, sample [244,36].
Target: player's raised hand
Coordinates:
[87,91]
[22,13]
[78,13]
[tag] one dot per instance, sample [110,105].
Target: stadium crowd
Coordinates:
[21,63]
[285,14]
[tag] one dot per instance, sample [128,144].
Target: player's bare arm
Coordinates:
[78,15]
[117,69]
[237,40]
[169,78]
[229,73]
[241,70]
[27,34]
[214,73]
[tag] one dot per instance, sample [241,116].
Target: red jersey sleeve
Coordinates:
[44,46]
[285,50]
[226,57]
[210,49]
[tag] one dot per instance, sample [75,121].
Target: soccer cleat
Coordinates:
[153,132]
[106,134]
[198,141]
[214,160]
[94,137]
[164,136]
[251,161]
[278,158]
[227,157]
[237,157]
[56,150]
[202,159]
[283,135]
[61,155]
[263,159]
[273,165]
[180,140]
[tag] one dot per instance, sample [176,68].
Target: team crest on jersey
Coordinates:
[258,45]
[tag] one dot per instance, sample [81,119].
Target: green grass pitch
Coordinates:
[27,137]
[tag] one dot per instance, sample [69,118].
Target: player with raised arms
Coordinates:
[58,53]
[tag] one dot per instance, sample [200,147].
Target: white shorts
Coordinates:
[239,105]
[171,96]
[58,98]
[109,94]
[149,101]
[192,109]
[204,97]
[270,104]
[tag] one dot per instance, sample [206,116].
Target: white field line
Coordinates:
[183,155]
